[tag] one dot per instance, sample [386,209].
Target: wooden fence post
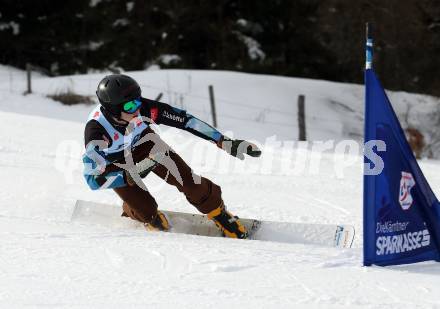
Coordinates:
[159,96]
[211,98]
[301,118]
[29,77]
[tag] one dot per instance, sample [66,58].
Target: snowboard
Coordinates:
[334,235]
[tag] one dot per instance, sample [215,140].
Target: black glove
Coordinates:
[237,147]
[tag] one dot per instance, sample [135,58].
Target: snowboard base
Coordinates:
[341,236]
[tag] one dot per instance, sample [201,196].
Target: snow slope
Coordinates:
[46,260]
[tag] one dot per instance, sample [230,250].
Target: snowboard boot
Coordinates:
[229,225]
[159,223]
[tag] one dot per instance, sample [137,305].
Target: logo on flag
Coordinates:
[406,183]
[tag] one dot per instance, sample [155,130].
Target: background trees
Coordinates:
[306,38]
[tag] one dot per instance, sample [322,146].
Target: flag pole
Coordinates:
[367,209]
[369,46]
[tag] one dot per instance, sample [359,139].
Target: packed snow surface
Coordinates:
[47,260]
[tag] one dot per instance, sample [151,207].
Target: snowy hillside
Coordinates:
[47,260]
[251,106]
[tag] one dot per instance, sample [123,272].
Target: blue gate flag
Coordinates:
[401,213]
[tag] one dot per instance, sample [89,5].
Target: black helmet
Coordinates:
[116,89]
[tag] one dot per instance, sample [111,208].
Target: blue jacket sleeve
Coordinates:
[202,129]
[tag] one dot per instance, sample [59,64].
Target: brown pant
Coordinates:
[199,191]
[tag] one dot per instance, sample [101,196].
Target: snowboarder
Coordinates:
[118,131]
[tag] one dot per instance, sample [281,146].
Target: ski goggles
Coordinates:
[131,107]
